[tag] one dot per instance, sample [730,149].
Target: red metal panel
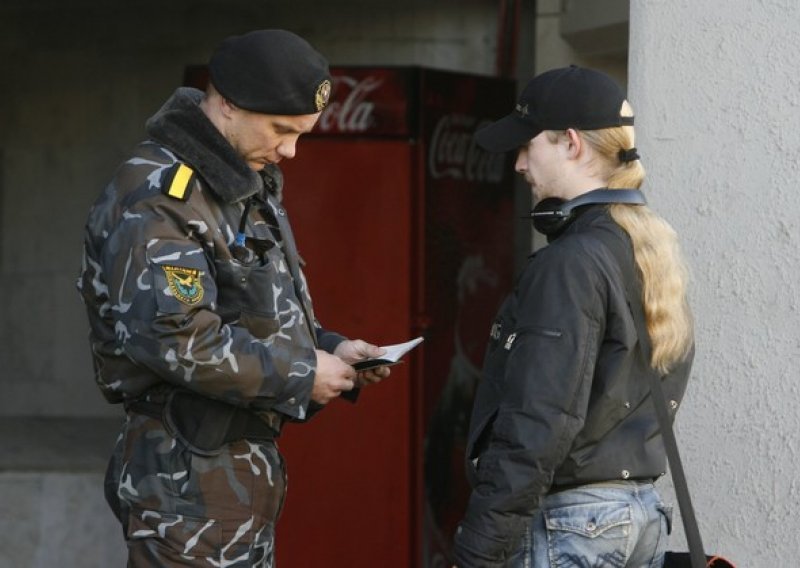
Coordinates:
[349,501]
[370,101]
[468,264]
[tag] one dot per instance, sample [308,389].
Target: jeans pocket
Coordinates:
[592,534]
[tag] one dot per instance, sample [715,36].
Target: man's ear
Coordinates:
[227,107]
[574,143]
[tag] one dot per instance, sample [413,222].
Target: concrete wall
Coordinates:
[717,92]
[591,33]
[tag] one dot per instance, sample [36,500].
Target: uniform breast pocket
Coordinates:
[247,294]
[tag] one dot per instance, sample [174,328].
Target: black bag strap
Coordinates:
[696,550]
[633,289]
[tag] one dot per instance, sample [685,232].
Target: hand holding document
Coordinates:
[392,356]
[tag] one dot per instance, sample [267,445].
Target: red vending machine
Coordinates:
[406,229]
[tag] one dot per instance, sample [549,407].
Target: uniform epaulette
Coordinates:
[178,182]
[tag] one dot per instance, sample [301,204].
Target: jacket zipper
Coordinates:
[552,333]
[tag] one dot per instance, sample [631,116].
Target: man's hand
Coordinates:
[332,377]
[352,351]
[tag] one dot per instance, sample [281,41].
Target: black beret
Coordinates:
[272,72]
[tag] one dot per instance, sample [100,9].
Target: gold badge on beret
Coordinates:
[322,95]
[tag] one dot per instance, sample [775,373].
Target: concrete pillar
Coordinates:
[716,89]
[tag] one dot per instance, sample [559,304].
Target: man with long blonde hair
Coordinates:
[564,444]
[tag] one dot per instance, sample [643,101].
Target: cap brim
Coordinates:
[508,133]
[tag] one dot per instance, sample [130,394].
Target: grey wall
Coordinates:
[717,92]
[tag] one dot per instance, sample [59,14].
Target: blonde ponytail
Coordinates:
[655,247]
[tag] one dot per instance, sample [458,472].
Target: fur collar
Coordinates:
[183,127]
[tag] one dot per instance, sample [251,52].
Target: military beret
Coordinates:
[272,72]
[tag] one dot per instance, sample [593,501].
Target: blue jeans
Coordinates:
[612,524]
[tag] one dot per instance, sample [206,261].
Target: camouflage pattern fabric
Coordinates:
[168,300]
[181,509]
[174,300]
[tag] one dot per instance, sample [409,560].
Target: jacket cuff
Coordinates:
[351,395]
[328,340]
[295,399]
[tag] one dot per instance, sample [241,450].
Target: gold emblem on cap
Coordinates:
[322,95]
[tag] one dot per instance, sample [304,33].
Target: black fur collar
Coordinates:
[183,127]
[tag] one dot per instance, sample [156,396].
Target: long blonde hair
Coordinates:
[655,247]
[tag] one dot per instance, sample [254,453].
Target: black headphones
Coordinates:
[552,215]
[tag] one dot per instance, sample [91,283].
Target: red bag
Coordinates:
[684,560]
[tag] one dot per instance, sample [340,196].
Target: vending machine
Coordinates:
[406,229]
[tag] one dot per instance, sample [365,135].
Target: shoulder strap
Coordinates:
[178,181]
[696,550]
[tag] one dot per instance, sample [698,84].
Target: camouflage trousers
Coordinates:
[182,509]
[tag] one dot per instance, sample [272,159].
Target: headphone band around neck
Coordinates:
[551,216]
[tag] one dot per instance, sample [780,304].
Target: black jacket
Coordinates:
[564,398]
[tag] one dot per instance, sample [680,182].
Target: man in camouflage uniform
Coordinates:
[201,321]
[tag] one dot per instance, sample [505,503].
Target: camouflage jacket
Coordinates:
[172,299]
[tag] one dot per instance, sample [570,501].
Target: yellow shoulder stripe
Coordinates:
[180,182]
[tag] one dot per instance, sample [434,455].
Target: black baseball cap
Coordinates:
[568,97]
[272,72]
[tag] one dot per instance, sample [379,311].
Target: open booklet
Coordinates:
[392,356]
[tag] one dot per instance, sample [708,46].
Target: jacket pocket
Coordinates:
[247,295]
[477,444]
[507,342]
[549,332]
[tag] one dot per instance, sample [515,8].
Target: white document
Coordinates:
[392,356]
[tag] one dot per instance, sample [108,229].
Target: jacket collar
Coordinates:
[183,127]
[581,217]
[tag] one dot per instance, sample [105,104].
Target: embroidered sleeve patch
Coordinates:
[185,284]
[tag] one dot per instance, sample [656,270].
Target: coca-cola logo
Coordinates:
[454,154]
[351,113]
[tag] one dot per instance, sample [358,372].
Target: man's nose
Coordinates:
[287,149]
[521,165]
